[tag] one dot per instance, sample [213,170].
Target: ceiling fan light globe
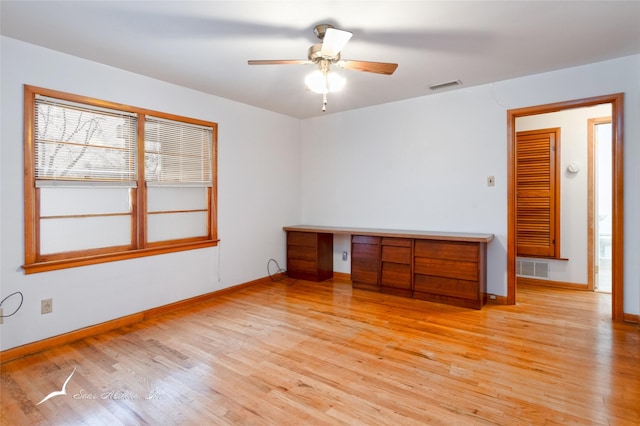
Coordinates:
[317,83]
[336,82]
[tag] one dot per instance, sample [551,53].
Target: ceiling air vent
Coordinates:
[446,85]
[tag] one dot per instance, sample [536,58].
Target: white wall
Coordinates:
[574,241]
[411,165]
[423,163]
[415,164]
[258,191]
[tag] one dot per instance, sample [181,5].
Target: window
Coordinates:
[106,182]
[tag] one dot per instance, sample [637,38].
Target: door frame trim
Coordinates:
[592,210]
[617,248]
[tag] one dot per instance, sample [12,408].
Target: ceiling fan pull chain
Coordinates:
[325,72]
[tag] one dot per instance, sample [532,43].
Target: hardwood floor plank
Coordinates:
[296,352]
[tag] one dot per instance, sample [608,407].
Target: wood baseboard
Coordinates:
[631,318]
[72,336]
[342,277]
[549,283]
[494,299]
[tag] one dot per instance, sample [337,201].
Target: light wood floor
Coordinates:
[301,353]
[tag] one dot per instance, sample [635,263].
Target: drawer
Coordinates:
[307,239]
[302,252]
[396,275]
[302,265]
[446,286]
[396,254]
[365,239]
[365,251]
[451,250]
[365,260]
[398,242]
[364,274]
[446,268]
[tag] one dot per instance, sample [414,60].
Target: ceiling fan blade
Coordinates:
[376,67]
[334,41]
[279,62]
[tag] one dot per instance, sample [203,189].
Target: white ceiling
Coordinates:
[205,45]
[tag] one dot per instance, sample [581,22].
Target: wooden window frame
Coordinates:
[36,262]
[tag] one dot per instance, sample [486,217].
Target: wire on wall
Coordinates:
[219,274]
[278,271]
[19,305]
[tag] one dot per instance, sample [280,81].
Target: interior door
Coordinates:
[537,200]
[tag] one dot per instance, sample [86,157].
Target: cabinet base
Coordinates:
[455,301]
[309,277]
[364,286]
[396,291]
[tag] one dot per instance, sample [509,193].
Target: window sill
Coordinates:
[53,265]
[566,259]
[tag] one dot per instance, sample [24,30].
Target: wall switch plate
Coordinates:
[344,255]
[491,181]
[46,306]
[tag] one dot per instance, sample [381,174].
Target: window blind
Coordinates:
[77,143]
[177,153]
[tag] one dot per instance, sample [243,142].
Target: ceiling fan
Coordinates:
[325,54]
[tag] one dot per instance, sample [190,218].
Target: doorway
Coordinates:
[600,229]
[617,182]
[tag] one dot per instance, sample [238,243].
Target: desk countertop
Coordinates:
[396,233]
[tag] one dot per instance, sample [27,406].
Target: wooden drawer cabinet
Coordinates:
[395,274]
[443,267]
[365,262]
[450,272]
[309,255]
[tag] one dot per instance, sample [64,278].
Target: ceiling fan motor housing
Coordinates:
[315,54]
[321,29]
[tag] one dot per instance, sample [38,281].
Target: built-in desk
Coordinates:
[445,267]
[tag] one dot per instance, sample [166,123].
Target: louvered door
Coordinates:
[537,193]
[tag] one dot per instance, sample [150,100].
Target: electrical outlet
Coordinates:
[491,181]
[1,316]
[344,255]
[46,306]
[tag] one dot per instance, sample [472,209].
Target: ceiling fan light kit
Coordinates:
[323,83]
[323,80]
